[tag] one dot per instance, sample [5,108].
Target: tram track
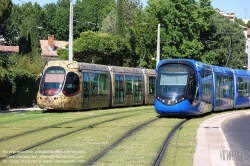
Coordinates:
[129,133]
[160,153]
[58,124]
[168,139]
[87,126]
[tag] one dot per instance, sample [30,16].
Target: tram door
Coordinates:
[96,90]
[206,92]
[133,88]
[224,92]
[99,90]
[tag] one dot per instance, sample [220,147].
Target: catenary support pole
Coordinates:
[71,31]
[158,46]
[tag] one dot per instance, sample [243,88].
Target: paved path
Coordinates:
[237,132]
[212,144]
[20,110]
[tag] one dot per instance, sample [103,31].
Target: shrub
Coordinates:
[18,88]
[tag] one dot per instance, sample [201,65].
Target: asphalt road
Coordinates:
[237,133]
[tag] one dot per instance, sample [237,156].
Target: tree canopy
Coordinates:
[93,47]
[5,10]
[124,28]
[224,41]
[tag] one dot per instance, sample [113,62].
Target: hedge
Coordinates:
[18,88]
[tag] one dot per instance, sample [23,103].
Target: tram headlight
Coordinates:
[56,98]
[169,102]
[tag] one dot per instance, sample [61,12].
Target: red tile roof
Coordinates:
[47,52]
[9,49]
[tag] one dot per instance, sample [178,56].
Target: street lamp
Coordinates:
[230,50]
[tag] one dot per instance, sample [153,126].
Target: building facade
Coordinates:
[49,48]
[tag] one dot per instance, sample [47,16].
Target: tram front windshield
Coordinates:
[52,81]
[172,83]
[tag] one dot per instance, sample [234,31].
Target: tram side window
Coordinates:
[243,87]
[240,87]
[219,84]
[137,80]
[151,85]
[247,88]
[94,78]
[119,88]
[103,84]
[207,86]
[71,86]
[193,91]
[231,87]
[99,83]
[129,84]
[86,85]
[86,81]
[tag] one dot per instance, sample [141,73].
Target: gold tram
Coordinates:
[71,85]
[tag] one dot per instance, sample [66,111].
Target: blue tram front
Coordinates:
[183,87]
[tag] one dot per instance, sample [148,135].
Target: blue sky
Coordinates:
[241,8]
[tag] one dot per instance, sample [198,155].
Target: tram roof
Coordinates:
[225,70]
[241,72]
[149,71]
[129,70]
[95,67]
[198,66]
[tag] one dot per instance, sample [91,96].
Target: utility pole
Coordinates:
[231,49]
[71,31]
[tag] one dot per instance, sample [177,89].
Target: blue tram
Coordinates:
[187,87]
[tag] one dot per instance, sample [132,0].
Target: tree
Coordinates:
[109,23]
[239,21]
[142,38]
[49,15]
[120,20]
[100,48]
[5,10]
[10,28]
[224,40]
[60,21]
[89,15]
[248,24]
[182,23]
[28,28]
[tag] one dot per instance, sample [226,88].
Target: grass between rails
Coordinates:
[16,123]
[142,147]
